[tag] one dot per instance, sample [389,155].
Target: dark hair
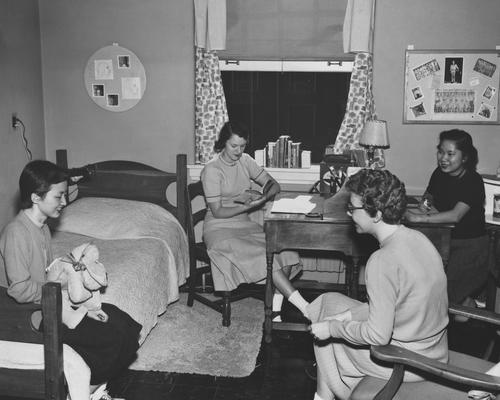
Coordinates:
[463,142]
[380,191]
[229,129]
[37,177]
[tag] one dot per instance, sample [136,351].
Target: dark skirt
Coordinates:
[467,269]
[107,347]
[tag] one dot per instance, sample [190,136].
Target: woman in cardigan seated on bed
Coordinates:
[236,245]
[107,347]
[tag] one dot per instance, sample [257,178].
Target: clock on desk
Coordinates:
[333,171]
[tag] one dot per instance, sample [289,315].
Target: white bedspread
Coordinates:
[145,252]
[142,246]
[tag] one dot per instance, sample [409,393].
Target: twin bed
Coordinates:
[126,209]
[135,216]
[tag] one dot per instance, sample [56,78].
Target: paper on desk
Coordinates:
[299,205]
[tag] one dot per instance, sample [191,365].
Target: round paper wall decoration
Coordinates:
[115,78]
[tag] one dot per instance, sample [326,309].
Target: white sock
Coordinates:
[277,303]
[298,301]
[98,392]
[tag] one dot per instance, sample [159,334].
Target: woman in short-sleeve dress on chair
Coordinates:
[236,245]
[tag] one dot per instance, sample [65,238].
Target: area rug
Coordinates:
[192,340]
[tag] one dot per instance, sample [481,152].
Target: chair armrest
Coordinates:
[398,355]
[475,313]
[15,320]
[52,339]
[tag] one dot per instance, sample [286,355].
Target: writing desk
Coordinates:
[334,232]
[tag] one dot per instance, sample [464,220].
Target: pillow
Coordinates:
[108,218]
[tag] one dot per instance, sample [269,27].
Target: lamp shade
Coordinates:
[374,134]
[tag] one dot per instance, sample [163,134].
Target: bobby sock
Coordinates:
[298,301]
[277,303]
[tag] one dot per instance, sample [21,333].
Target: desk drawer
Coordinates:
[298,235]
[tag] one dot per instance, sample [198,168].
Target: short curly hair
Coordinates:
[382,191]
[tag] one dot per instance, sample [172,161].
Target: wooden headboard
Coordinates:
[132,181]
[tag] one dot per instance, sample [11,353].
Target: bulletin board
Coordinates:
[115,78]
[451,86]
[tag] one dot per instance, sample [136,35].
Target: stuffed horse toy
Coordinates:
[81,276]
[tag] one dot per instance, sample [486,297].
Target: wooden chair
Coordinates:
[443,381]
[16,325]
[198,253]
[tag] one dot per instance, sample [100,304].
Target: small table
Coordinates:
[493,229]
[333,232]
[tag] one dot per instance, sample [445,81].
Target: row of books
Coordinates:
[284,153]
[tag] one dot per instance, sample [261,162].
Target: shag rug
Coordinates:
[192,340]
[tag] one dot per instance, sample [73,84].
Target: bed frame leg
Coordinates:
[226,309]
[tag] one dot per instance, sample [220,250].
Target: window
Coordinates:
[303,99]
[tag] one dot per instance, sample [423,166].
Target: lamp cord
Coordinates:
[29,155]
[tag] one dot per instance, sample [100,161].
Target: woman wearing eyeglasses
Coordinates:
[406,287]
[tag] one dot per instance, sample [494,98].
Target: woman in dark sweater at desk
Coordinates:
[456,194]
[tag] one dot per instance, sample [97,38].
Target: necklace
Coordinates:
[221,157]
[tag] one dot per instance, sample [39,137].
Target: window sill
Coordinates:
[284,176]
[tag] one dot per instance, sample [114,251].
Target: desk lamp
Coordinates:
[374,135]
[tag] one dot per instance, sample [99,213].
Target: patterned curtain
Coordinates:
[360,108]
[210,104]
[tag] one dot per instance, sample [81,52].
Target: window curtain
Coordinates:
[358,39]
[285,30]
[210,103]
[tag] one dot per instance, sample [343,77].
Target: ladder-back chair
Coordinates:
[218,301]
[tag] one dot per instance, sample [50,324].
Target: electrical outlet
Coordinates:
[14,120]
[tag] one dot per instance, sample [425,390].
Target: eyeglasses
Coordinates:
[351,208]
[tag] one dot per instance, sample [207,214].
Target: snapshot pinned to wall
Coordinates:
[417,93]
[485,67]
[418,110]
[103,70]
[453,70]
[98,90]
[451,86]
[489,92]
[426,69]
[485,111]
[123,61]
[131,88]
[113,100]
[115,78]
[455,101]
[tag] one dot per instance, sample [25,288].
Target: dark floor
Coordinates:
[283,377]
[279,374]
[291,352]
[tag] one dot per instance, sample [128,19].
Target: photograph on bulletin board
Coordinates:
[451,86]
